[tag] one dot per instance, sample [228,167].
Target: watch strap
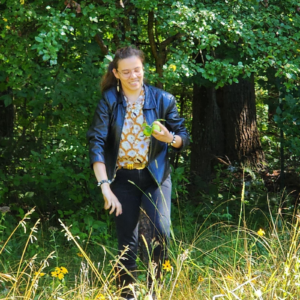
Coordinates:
[103,181]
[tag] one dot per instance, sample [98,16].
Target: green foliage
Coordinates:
[202,254]
[53,55]
[90,224]
[288,119]
[179,182]
[51,59]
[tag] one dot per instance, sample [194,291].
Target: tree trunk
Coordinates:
[207,133]
[242,143]
[224,126]
[6,112]
[6,132]
[6,120]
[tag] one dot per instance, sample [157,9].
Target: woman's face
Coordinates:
[131,74]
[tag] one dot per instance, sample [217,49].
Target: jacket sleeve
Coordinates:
[97,133]
[176,124]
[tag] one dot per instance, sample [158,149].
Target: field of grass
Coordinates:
[214,261]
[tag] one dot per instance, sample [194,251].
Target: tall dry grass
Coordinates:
[221,262]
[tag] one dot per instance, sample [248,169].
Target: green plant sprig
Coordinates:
[148,129]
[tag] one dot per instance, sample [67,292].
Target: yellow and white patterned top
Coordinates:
[134,145]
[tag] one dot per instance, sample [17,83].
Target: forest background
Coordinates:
[233,67]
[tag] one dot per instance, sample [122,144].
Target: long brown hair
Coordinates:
[109,80]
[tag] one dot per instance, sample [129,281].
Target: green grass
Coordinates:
[213,261]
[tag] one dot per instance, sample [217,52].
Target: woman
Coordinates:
[132,169]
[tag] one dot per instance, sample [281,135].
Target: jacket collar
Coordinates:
[149,102]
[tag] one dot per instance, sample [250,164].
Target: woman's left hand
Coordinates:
[163,135]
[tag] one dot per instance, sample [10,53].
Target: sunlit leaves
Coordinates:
[52,64]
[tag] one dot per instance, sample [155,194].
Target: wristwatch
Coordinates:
[174,139]
[103,181]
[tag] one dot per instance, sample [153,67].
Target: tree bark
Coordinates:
[242,143]
[7,115]
[6,118]
[224,126]
[207,133]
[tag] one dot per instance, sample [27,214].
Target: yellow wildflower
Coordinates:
[59,272]
[80,254]
[39,274]
[63,270]
[54,274]
[261,232]
[200,279]
[100,297]
[4,19]
[7,27]
[167,266]
[22,2]
[173,67]
[229,277]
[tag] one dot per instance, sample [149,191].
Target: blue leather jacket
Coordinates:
[105,132]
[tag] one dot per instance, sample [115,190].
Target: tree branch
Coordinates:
[169,40]
[151,35]
[156,32]
[101,44]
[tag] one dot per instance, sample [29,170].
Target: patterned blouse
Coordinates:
[134,145]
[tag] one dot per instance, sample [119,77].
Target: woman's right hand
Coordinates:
[110,200]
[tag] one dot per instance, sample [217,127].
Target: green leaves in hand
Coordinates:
[148,129]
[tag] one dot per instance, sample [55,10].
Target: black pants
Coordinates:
[137,189]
